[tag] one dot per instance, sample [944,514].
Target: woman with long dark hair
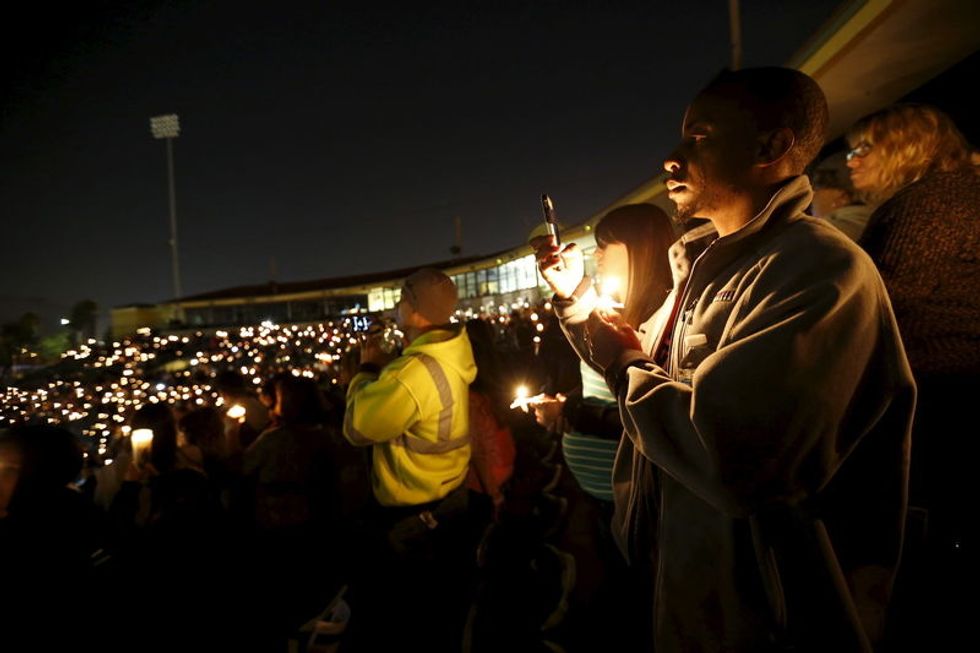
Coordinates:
[634,276]
[632,241]
[633,271]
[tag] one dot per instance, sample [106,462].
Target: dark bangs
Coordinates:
[605,233]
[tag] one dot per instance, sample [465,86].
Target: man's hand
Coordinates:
[140,473]
[562,268]
[548,412]
[608,337]
[372,353]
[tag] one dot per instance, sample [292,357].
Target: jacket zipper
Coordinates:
[686,313]
[679,328]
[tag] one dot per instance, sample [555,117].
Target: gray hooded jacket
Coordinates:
[764,469]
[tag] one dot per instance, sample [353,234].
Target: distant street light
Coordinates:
[65,321]
[168,128]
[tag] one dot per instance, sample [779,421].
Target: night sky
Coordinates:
[333,138]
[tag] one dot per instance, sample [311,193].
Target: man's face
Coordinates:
[712,162]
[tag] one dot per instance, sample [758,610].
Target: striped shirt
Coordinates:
[590,458]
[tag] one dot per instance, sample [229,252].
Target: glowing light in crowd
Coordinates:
[521,398]
[141,439]
[609,287]
[237,412]
[129,379]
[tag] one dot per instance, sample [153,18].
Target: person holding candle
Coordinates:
[631,264]
[768,406]
[635,277]
[139,458]
[235,392]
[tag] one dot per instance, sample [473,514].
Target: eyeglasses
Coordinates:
[860,150]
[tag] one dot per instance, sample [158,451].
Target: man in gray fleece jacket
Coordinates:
[761,481]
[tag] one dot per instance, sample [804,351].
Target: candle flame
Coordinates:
[521,400]
[142,436]
[609,288]
[236,412]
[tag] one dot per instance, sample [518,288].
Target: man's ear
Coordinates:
[415,320]
[774,146]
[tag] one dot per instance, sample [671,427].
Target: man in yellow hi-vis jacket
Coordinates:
[414,410]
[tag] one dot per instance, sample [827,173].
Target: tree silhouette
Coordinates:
[16,336]
[83,317]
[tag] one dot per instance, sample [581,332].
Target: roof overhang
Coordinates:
[874,52]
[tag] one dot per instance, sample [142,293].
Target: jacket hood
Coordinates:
[789,201]
[450,346]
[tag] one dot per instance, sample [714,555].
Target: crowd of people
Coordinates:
[247,482]
[744,435]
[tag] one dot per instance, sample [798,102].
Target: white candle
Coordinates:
[237,412]
[141,440]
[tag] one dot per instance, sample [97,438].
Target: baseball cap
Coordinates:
[431,293]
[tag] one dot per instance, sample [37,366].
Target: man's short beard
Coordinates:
[699,206]
[693,208]
[682,215]
[696,201]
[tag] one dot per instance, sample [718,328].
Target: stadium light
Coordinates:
[168,128]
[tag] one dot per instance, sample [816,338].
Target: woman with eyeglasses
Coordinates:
[914,164]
